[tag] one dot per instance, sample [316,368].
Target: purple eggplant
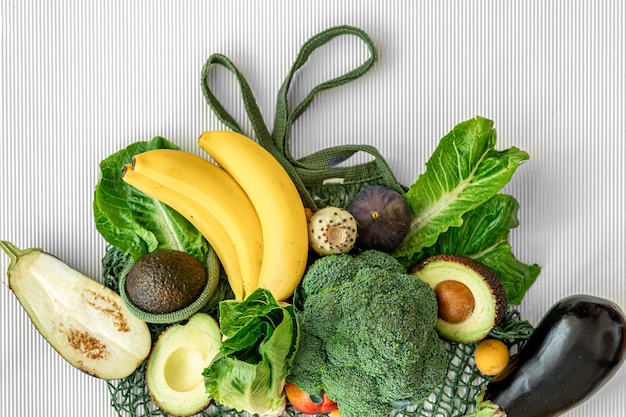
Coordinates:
[576,348]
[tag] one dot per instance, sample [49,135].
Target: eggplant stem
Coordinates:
[14,253]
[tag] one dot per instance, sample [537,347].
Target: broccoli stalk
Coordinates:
[368,335]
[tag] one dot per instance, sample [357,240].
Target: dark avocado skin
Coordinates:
[576,348]
[165,280]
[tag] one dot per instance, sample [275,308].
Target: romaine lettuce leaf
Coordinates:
[463,172]
[134,222]
[261,339]
[484,236]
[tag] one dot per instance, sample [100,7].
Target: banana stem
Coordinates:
[14,253]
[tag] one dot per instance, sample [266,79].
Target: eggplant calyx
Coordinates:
[14,253]
[485,408]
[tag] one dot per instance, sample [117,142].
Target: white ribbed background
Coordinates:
[81,79]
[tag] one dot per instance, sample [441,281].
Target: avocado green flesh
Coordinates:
[486,311]
[174,368]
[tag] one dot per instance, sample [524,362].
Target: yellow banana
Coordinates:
[277,202]
[201,218]
[214,189]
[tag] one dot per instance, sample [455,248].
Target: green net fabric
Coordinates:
[455,397]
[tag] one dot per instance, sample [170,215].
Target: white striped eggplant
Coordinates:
[84,321]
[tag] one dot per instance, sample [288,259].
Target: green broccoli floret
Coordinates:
[380,260]
[376,326]
[309,378]
[360,398]
[328,310]
[327,273]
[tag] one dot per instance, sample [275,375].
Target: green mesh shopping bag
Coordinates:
[319,178]
[320,181]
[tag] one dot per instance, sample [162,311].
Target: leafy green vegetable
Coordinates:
[134,222]
[484,236]
[464,172]
[457,209]
[261,339]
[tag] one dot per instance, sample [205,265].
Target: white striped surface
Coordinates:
[81,79]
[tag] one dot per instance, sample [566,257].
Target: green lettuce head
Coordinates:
[261,339]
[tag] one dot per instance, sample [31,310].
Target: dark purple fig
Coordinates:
[383,218]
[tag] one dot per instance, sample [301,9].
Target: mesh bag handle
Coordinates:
[317,176]
[254,114]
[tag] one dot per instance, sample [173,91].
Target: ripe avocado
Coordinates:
[175,365]
[471,297]
[165,280]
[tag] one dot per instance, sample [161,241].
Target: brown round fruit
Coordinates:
[455,300]
[383,217]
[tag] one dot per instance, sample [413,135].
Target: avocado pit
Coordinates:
[455,301]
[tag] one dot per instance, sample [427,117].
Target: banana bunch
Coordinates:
[246,206]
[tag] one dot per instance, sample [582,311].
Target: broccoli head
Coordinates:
[375,327]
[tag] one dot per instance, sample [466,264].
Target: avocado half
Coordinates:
[175,365]
[472,299]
